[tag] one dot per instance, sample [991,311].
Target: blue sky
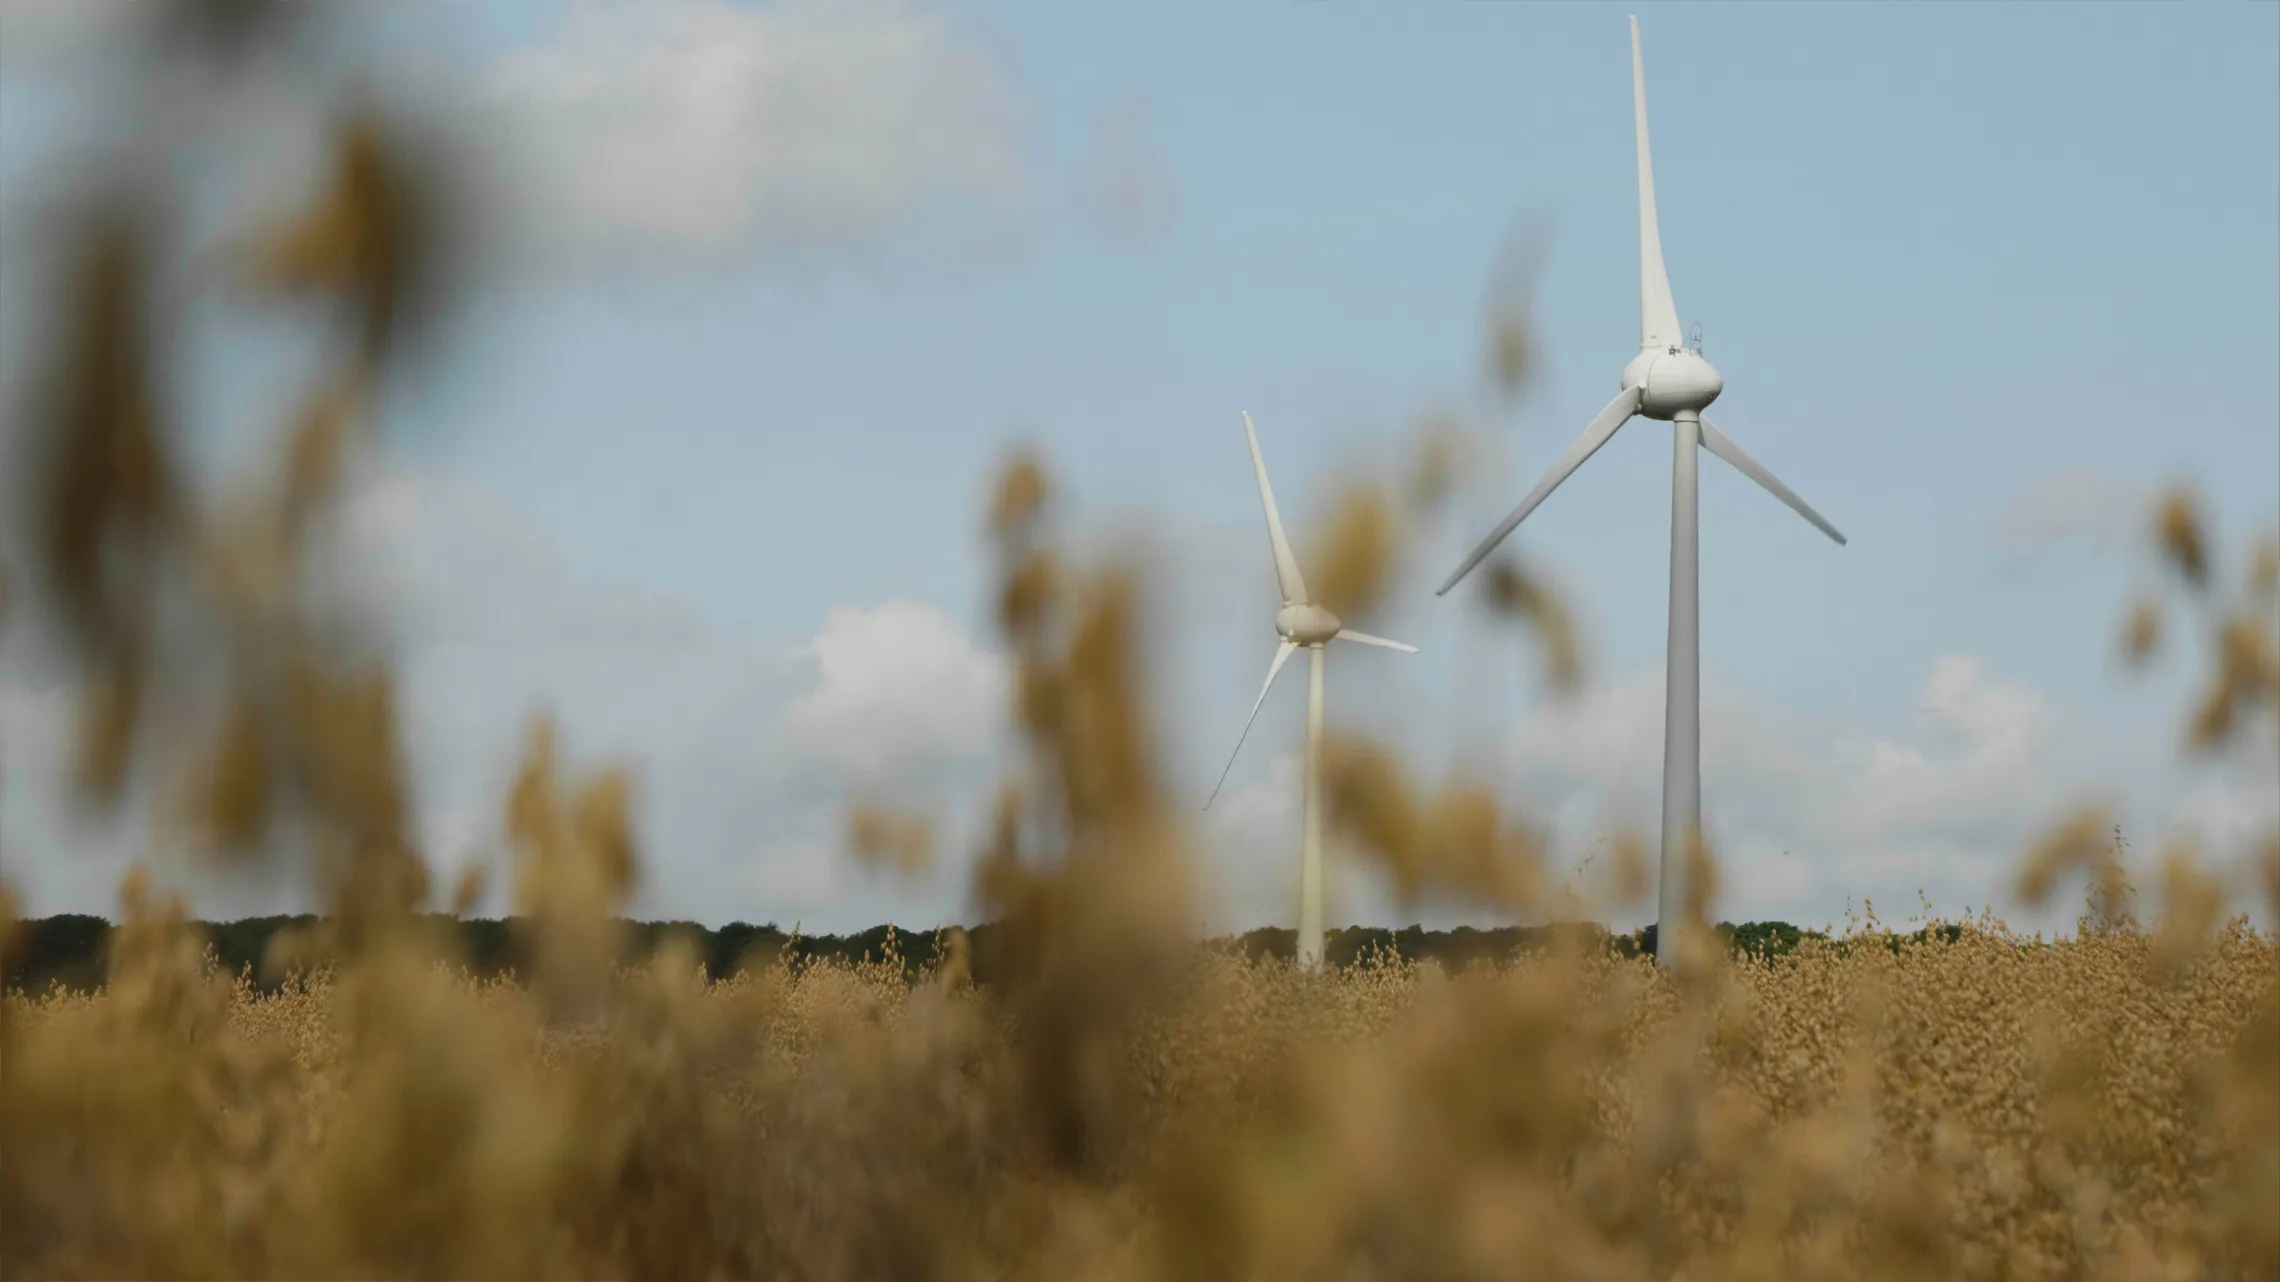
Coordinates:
[786,281]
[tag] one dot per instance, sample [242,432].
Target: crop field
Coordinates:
[1976,1108]
[1085,1091]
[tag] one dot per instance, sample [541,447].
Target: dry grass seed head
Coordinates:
[1510,335]
[2079,841]
[107,483]
[468,888]
[1701,877]
[1629,867]
[2264,573]
[1514,590]
[1105,766]
[317,449]
[1442,456]
[1030,594]
[1019,498]
[110,707]
[885,838]
[2177,531]
[577,865]
[369,238]
[1366,794]
[1350,566]
[2192,904]
[1511,350]
[2141,632]
[106,501]
[231,792]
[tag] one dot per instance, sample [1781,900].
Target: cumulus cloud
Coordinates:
[1128,177]
[901,687]
[2223,816]
[692,129]
[1250,844]
[1804,813]
[1807,814]
[744,750]
[1981,744]
[2229,809]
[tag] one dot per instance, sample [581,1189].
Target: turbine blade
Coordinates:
[1348,634]
[1286,566]
[1723,446]
[1658,315]
[1282,656]
[1617,413]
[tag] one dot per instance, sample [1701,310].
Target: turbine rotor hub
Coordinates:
[1306,624]
[1672,381]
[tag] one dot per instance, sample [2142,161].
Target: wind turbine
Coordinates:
[1672,383]
[1300,622]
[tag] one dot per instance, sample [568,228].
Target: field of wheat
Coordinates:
[1117,1102]
[1983,1107]
[1976,1108]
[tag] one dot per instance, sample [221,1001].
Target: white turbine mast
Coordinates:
[1300,623]
[1668,382]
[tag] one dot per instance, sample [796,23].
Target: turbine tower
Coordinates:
[1299,622]
[1669,382]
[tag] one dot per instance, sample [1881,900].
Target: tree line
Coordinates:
[71,949]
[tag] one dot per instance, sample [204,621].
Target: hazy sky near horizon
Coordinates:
[778,285]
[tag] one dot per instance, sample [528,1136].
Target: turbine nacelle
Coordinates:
[1307,624]
[1672,381]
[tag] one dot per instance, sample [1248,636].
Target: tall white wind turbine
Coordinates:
[1669,382]
[1299,622]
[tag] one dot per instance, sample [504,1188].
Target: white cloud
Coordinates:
[1603,736]
[443,563]
[798,880]
[743,752]
[696,128]
[1979,751]
[901,688]
[2228,812]
[1129,179]
[1249,844]
[2077,504]
[1805,814]
[1799,811]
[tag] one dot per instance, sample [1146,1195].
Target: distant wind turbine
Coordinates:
[1669,382]
[1300,622]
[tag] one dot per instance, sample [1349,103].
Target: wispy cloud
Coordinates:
[691,130]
